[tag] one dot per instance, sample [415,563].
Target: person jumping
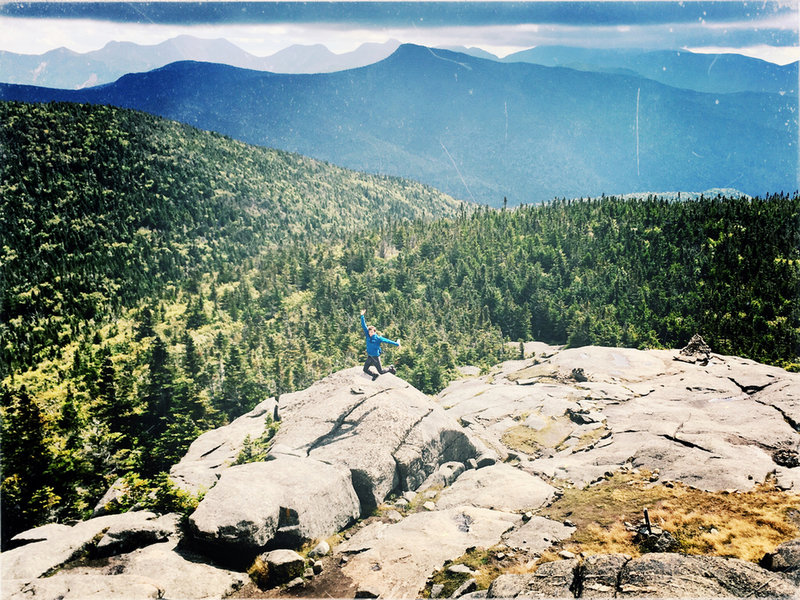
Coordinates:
[374,341]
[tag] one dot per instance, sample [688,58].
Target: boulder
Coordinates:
[83,586]
[500,486]
[287,501]
[787,479]
[39,534]
[551,580]
[460,569]
[476,595]
[444,475]
[487,459]
[465,588]
[142,531]
[277,568]
[321,549]
[537,535]
[216,450]
[598,575]
[680,576]
[391,437]
[784,559]
[395,560]
[37,558]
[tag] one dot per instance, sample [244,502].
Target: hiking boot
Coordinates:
[392,370]
[374,376]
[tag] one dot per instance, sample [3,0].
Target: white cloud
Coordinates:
[37,36]
[781,55]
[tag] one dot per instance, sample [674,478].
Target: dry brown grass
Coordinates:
[743,525]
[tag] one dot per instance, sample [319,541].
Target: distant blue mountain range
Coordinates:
[482,129]
[723,73]
[63,68]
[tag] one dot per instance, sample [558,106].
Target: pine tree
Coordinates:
[25,461]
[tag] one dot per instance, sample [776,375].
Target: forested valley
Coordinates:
[158,281]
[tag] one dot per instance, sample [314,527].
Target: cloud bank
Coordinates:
[767,29]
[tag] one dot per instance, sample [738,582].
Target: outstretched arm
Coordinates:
[393,343]
[364,322]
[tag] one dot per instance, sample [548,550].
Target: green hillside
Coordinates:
[148,274]
[160,281]
[102,207]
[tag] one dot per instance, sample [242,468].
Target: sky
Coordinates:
[764,29]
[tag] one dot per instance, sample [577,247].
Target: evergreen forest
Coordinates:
[159,281]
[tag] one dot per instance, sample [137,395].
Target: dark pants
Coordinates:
[374,360]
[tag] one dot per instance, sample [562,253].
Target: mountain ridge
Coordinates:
[66,69]
[479,129]
[720,73]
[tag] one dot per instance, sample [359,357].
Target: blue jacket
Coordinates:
[374,341]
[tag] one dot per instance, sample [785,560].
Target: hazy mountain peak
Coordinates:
[67,69]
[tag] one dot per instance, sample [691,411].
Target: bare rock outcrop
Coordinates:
[395,560]
[649,576]
[216,450]
[387,433]
[551,580]
[343,445]
[465,470]
[65,543]
[158,569]
[500,487]
[717,424]
[283,502]
[679,576]
[537,535]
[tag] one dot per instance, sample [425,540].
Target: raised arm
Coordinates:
[364,322]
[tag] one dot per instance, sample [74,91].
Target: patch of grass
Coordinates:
[522,439]
[744,525]
[484,562]
[536,370]
[532,441]
[421,498]
[590,438]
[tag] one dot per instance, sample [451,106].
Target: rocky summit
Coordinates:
[373,489]
[713,422]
